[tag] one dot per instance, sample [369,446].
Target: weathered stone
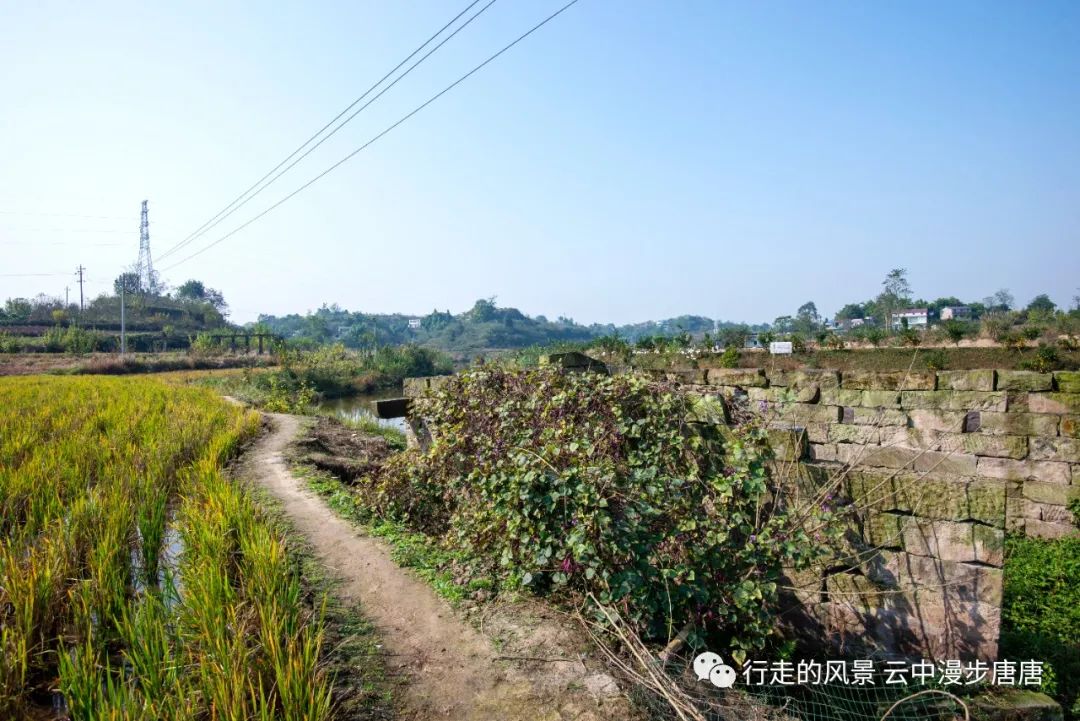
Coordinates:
[1024,381]
[954,400]
[1048,529]
[955,541]
[884,530]
[951,421]
[1008,469]
[1067,381]
[938,462]
[850,584]
[1059,403]
[1015,704]
[843,433]
[1052,493]
[1055,449]
[1055,514]
[840,397]
[817,432]
[414,387]
[810,413]
[988,502]
[958,582]
[879,399]
[745,377]
[889,380]
[689,376]
[788,444]
[965,380]
[878,417]
[877,456]
[803,378]
[574,361]
[1018,424]
[1070,426]
[823,452]
[974,443]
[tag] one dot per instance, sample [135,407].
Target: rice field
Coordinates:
[136,580]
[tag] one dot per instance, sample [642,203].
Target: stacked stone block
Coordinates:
[940,465]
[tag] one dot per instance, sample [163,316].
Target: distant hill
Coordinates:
[485,326]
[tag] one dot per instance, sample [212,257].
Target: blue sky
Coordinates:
[632,160]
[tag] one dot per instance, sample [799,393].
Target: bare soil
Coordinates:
[523,662]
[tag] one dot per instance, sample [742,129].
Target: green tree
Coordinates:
[18,309]
[850,311]
[1042,303]
[127,283]
[895,294]
[807,319]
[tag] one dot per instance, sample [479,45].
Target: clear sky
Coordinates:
[632,160]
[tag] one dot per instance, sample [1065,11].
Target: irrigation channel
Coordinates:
[361,408]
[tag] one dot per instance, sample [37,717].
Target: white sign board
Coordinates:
[780,347]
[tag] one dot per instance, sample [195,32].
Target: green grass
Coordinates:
[370,426]
[408,549]
[93,473]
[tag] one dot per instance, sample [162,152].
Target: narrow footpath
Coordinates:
[451,670]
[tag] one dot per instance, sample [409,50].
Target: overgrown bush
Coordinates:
[1046,359]
[578,484]
[729,358]
[936,359]
[8,343]
[1041,611]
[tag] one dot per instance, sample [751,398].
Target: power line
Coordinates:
[30,275]
[240,200]
[127,231]
[65,215]
[350,156]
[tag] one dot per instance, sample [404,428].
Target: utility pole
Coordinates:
[66,301]
[79,271]
[123,334]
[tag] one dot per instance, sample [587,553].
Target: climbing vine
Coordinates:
[578,484]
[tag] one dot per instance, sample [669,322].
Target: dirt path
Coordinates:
[452,670]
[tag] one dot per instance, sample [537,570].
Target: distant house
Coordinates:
[915,317]
[414,322]
[849,323]
[956,312]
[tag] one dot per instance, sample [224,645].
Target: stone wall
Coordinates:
[939,465]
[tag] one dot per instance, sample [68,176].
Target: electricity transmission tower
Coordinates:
[145,267]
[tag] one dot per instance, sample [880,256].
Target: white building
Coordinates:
[414,322]
[956,312]
[915,317]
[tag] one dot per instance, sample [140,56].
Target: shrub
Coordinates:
[1046,359]
[730,357]
[875,336]
[955,330]
[834,342]
[8,343]
[1041,611]
[575,485]
[936,359]
[53,340]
